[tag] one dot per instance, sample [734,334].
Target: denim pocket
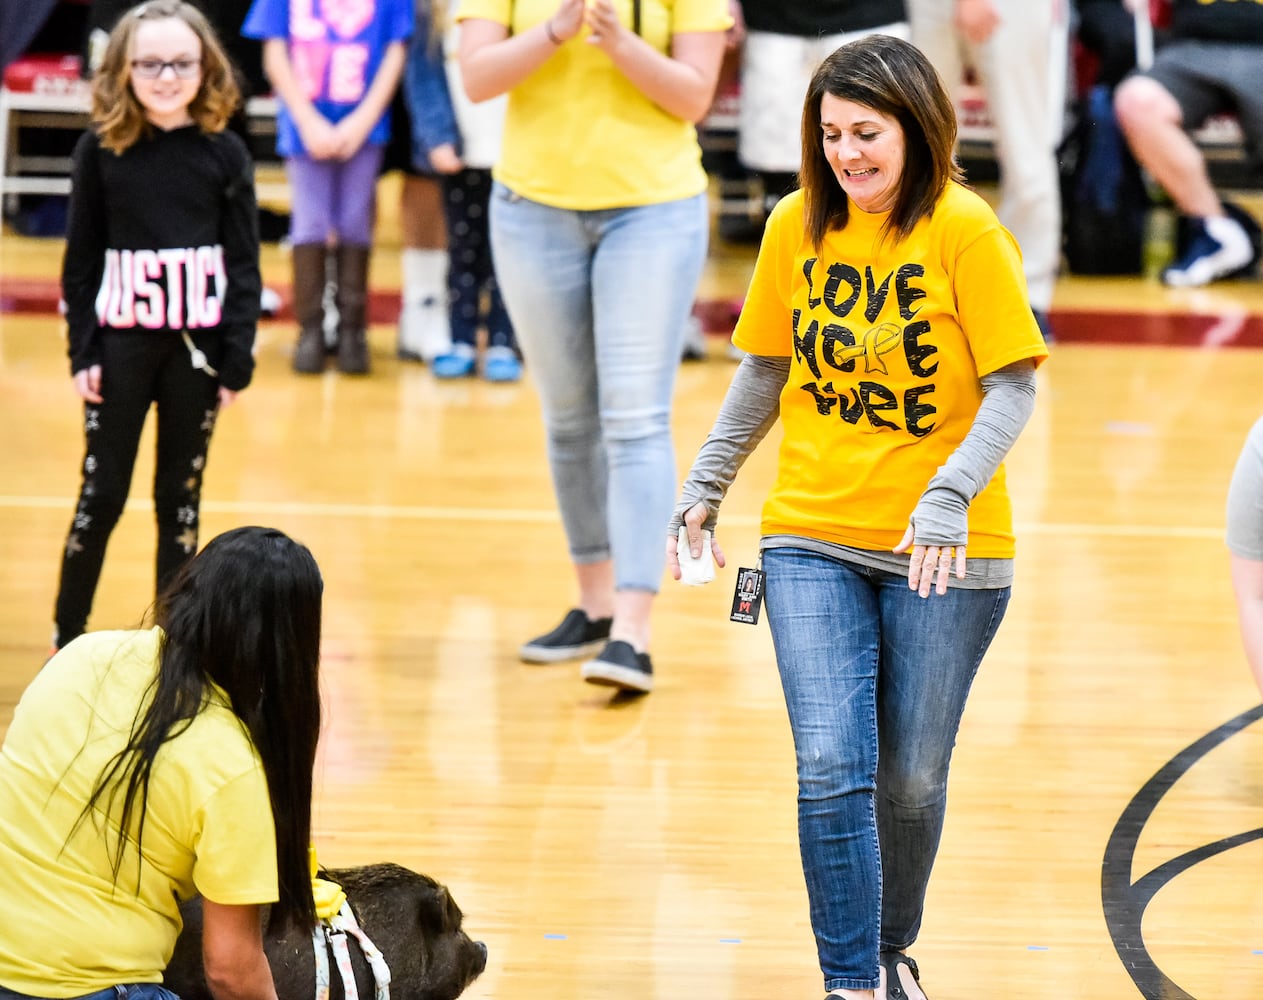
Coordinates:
[502,192]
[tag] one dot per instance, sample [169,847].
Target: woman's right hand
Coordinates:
[88,384]
[976,20]
[694,518]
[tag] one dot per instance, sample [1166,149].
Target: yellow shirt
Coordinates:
[577,134]
[887,343]
[65,929]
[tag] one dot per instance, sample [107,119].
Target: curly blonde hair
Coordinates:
[119,118]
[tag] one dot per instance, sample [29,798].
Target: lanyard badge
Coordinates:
[747,599]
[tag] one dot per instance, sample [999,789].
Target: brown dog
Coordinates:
[411,918]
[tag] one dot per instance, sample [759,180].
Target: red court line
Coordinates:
[1071,326]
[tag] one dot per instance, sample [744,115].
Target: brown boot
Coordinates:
[352,300]
[309,289]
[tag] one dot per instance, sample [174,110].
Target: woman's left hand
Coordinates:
[226,397]
[603,23]
[929,561]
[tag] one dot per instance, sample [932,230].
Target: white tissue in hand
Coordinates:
[694,572]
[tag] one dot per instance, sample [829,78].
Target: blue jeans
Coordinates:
[129,991]
[599,301]
[872,672]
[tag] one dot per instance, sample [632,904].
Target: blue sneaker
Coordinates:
[1219,248]
[501,364]
[456,363]
[1044,324]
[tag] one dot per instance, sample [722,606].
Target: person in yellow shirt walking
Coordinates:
[599,226]
[887,326]
[146,767]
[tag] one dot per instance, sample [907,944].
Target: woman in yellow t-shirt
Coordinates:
[146,767]
[887,325]
[599,230]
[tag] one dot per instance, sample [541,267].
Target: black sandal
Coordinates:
[890,961]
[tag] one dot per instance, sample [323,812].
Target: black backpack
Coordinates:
[1104,201]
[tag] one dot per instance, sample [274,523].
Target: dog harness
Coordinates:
[330,935]
[335,921]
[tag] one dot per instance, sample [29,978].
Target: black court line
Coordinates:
[1124,901]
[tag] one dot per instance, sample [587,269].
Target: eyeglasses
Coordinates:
[151,69]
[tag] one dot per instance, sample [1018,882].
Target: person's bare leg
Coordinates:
[1219,246]
[596,588]
[1151,119]
[423,320]
[421,208]
[630,609]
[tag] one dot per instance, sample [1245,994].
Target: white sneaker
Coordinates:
[424,333]
[1219,247]
[694,340]
[269,302]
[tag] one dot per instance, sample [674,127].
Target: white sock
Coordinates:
[1228,233]
[423,322]
[424,275]
[1235,252]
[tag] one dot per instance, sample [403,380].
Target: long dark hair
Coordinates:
[245,615]
[891,76]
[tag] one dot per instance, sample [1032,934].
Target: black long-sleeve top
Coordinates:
[164,237]
[810,18]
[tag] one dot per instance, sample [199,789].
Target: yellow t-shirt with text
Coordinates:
[65,928]
[887,342]
[578,134]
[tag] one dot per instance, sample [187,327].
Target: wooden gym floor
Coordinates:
[1105,837]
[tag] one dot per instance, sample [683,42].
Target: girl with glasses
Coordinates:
[161,283]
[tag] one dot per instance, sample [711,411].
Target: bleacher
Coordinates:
[45,91]
[48,92]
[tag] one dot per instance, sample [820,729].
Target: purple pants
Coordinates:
[335,198]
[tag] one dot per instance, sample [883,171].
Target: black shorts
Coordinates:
[1210,78]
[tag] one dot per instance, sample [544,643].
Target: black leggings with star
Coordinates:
[139,369]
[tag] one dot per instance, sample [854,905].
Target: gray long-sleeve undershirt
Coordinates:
[1245,498]
[940,517]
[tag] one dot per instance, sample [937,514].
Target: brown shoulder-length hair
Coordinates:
[119,118]
[891,76]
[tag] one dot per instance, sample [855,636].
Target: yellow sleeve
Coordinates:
[499,11]
[235,850]
[700,15]
[992,304]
